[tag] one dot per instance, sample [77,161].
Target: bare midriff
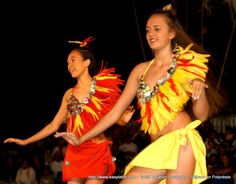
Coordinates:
[100,138]
[181,121]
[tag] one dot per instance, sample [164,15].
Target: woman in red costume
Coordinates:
[82,106]
[165,87]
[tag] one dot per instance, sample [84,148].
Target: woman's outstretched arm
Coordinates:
[48,129]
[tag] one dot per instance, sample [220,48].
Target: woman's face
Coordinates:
[76,64]
[158,33]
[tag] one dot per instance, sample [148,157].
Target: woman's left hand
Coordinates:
[198,87]
[69,137]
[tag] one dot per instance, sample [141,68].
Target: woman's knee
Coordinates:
[76,181]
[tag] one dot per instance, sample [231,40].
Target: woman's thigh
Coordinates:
[185,166]
[84,181]
[141,175]
[94,181]
[76,181]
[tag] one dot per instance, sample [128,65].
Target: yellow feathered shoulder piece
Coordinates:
[172,96]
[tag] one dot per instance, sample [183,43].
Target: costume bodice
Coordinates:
[74,105]
[145,93]
[103,94]
[160,106]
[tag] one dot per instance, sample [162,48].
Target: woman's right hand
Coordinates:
[16,141]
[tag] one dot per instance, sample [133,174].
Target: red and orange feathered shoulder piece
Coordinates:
[107,91]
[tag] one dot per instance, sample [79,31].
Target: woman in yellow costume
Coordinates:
[164,87]
[94,94]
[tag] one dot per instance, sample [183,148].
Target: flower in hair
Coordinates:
[84,42]
[169,8]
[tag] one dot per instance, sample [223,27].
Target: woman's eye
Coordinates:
[157,29]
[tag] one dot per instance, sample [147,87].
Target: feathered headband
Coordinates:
[84,42]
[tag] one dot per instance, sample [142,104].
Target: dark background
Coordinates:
[33,51]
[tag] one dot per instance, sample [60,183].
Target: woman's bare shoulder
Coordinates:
[140,68]
[68,92]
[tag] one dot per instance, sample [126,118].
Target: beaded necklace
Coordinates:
[75,106]
[144,93]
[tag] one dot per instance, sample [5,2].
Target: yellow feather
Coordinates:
[78,124]
[90,110]
[154,106]
[144,125]
[107,90]
[105,77]
[96,101]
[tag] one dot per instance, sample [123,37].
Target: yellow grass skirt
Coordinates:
[163,153]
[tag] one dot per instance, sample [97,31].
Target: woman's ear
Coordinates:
[172,34]
[87,62]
